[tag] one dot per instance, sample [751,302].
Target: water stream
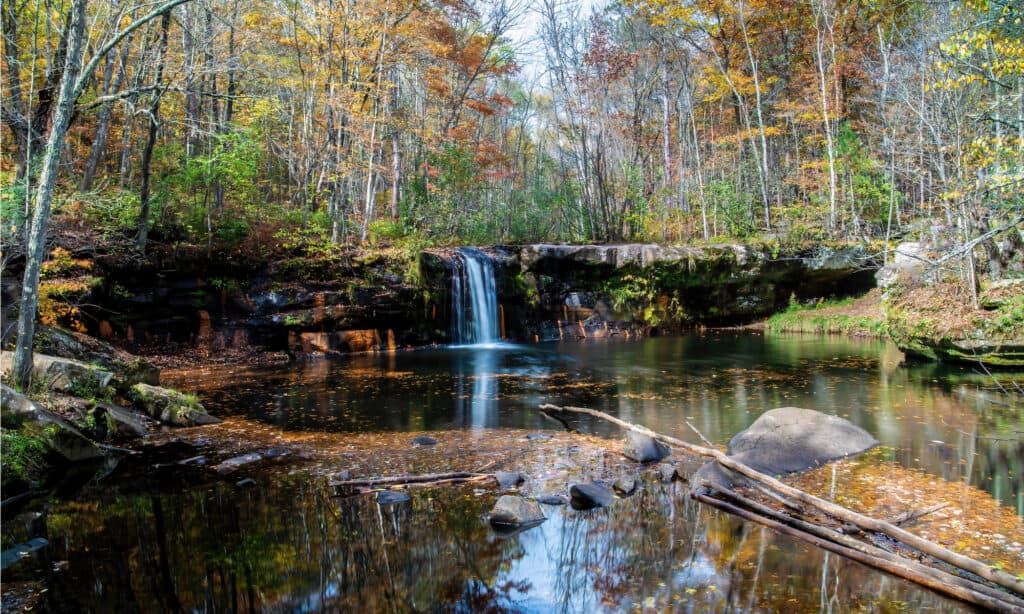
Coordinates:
[177,543]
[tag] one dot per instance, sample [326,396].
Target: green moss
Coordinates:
[808,318]
[24,455]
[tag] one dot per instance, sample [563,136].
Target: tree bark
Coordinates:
[142,232]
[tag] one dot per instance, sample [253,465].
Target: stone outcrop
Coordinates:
[788,440]
[63,374]
[170,406]
[128,369]
[60,437]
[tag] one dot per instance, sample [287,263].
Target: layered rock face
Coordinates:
[544,292]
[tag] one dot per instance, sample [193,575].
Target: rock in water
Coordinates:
[668,472]
[424,441]
[590,495]
[508,479]
[170,406]
[643,448]
[391,497]
[791,439]
[234,463]
[625,485]
[513,512]
[553,499]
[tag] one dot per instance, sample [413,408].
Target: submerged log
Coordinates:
[839,512]
[364,485]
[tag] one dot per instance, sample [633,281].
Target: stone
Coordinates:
[199,461]
[590,495]
[644,448]
[63,374]
[19,412]
[424,441]
[668,472]
[508,479]
[514,512]
[553,499]
[119,422]
[788,440]
[16,553]
[909,262]
[127,368]
[538,436]
[170,406]
[392,497]
[245,483]
[625,485]
[235,462]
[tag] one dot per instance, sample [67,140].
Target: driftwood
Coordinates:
[363,485]
[912,515]
[867,523]
[932,577]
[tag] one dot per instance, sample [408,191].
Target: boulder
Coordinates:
[512,512]
[128,369]
[668,473]
[63,374]
[170,406]
[788,440]
[508,479]
[58,435]
[625,485]
[113,421]
[644,448]
[590,495]
[909,262]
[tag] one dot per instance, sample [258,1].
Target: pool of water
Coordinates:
[287,546]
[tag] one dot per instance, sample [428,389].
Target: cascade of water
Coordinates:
[474,298]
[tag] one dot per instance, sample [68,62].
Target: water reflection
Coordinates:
[941,419]
[287,547]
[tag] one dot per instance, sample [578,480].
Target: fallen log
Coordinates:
[895,568]
[836,511]
[914,569]
[912,515]
[422,479]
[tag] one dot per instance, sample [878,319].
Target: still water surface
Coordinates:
[286,546]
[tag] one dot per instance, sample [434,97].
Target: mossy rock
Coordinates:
[63,374]
[127,368]
[170,406]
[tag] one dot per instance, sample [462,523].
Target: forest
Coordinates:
[221,122]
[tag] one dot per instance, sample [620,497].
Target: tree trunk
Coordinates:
[103,120]
[22,367]
[154,128]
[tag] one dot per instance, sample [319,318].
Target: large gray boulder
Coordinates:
[643,448]
[58,435]
[590,495]
[170,406]
[512,512]
[63,374]
[127,368]
[788,440]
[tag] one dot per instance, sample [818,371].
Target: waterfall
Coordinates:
[474,298]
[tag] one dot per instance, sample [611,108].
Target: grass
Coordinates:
[859,317]
[24,456]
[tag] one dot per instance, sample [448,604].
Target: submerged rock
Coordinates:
[539,436]
[392,497]
[508,479]
[553,499]
[625,485]
[16,553]
[234,463]
[170,406]
[514,512]
[668,473]
[424,441]
[590,495]
[644,448]
[788,440]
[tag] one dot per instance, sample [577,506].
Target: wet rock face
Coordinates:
[644,448]
[788,440]
[170,406]
[512,512]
